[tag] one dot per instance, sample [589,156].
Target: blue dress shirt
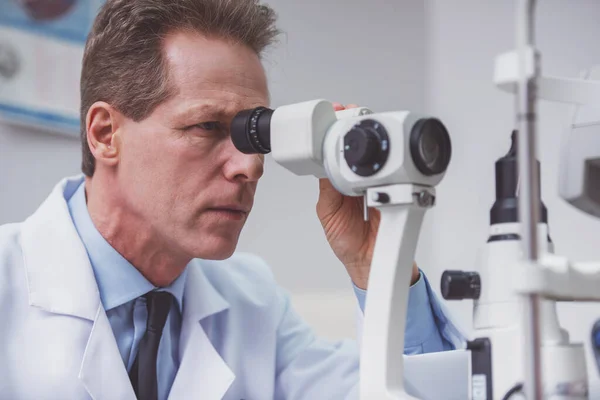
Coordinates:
[428,329]
[121,286]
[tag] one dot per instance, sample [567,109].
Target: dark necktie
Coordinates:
[143,372]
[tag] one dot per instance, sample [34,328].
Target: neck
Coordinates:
[132,236]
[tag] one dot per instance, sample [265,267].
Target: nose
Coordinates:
[243,167]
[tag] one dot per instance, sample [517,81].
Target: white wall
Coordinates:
[465,36]
[31,162]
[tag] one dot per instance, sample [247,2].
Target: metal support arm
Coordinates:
[382,364]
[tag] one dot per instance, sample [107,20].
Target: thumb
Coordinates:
[326,189]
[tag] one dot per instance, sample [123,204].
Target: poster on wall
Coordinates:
[41,47]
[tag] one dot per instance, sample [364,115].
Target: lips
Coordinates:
[228,213]
[231,211]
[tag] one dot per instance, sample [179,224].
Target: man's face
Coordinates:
[178,168]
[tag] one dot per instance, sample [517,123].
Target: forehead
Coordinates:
[207,72]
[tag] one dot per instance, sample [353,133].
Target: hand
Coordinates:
[351,238]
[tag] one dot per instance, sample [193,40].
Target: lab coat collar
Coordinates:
[200,298]
[211,377]
[59,275]
[61,281]
[102,370]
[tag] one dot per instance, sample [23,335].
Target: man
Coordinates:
[125,281]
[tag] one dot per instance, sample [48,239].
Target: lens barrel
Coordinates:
[430,146]
[251,130]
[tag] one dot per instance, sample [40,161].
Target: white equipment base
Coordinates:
[436,376]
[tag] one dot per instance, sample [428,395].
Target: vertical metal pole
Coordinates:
[529,196]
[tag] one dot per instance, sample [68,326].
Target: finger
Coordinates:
[338,106]
[327,192]
[325,184]
[329,198]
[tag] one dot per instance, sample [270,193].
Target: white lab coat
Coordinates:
[239,338]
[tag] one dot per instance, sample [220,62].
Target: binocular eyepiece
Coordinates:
[251,130]
[366,144]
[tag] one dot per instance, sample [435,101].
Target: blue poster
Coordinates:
[60,19]
[41,47]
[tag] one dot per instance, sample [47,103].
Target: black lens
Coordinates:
[366,147]
[430,146]
[429,149]
[251,130]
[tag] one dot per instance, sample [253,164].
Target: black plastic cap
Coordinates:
[251,130]
[460,285]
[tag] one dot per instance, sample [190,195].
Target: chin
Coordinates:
[215,249]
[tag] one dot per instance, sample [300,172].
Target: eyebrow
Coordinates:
[208,108]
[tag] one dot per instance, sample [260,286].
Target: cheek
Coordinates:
[146,169]
[201,156]
[151,154]
[169,169]
[198,169]
[140,148]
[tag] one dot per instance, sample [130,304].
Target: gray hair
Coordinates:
[123,63]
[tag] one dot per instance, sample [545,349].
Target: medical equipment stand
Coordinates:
[402,210]
[529,199]
[548,276]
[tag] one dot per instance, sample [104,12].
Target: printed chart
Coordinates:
[41,47]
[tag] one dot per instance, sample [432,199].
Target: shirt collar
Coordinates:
[118,280]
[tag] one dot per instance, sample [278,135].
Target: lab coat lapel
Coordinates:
[59,275]
[203,374]
[61,281]
[102,370]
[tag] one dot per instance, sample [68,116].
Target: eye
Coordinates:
[208,126]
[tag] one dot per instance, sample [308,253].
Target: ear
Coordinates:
[102,124]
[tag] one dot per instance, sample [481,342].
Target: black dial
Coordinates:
[459,285]
[366,147]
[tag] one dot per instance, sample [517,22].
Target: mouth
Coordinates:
[229,212]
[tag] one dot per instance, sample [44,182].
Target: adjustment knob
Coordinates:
[459,285]
[360,146]
[366,147]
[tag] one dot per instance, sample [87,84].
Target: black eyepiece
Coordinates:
[430,146]
[251,130]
